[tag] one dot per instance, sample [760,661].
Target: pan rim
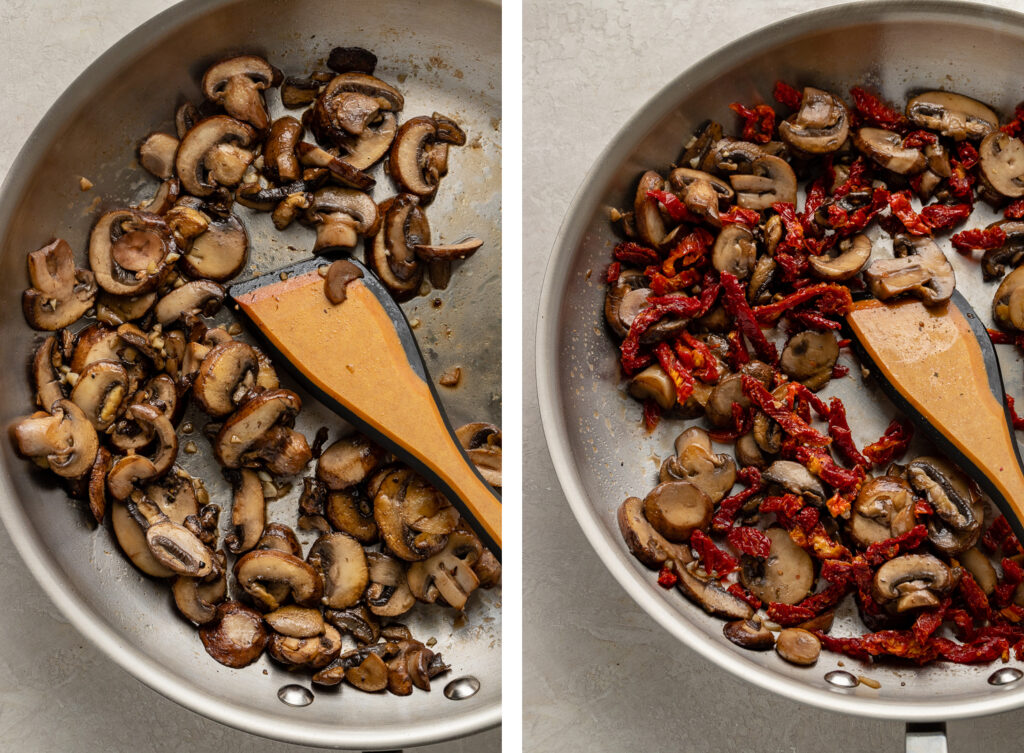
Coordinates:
[556,277]
[44,569]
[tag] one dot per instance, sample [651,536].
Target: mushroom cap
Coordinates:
[391,256]
[1001,164]
[796,479]
[296,622]
[770,180]
[655,384]
[364,83]
[348,462]
[947,490]
[409,157]
[236,637]
[60,294]
[315,652]
[280,161]
[388,593]
[1008,302]
[920,269]
[220,252]
[912,581]
[448,575]
[200,145]
[809,357]
[820,126]
[248,513]
[236,83]
[261,566]
[250,422]
[341,562]
[197,599]
[156,154]
[646,214]
[798,646]
[643,540]
[710,595]
[100,392]
[351,512]
[786,576]
[735,251]
[749,634]
[884,509]
[854,254]
[226,377]
[65,437]
[194,297]
[678,508]
[952,115]
[887,150]
[343,215]
[112,243]
[696,462]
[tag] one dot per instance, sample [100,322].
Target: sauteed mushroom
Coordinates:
[156,154]
[853,256]
[920,269]
[261,566]
[236,85]
[887,150]
[128,251]
[1002,165]
[64,438]
[1008,302]
[677,508]
[710,595]
[786,576]
[770,180]
[912,581]
[697,463]
[952,115]
[236,637]
[809,358]
[820,126]
[884,509]
[60,294]
[214,153]
[340,560]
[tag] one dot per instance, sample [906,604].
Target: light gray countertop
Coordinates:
[599,675]
[58,693]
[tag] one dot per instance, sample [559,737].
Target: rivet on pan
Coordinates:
[841,679]
[295,695]
[461,688]
[1005,676]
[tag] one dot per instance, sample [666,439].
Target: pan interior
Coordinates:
[445,57]
[601,451]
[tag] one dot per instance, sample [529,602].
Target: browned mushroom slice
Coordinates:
[1011,252]
[100,391]
[1008,302]
[194,297]
[116,310]
[401,497]
[809,357]
[696,462]
[947,490]
[351,512]
[342,216]
[884,509]
[45,363]
[173,545]
[315,652]
[732,156]
[281,538]
[912,581]
[298,91]
[798,646]
[980,567]
[236,85]
[649,223]
[60,294]
[226,378]
[676,509]
[97,488]
[749,634]
[387,594]
[1002,165]
[197,598]
[214,153]
[370,676]
[729,390]
[242,439]
[770,180]
[236,636]
[358,621]
[338,170]
[646,544]
[735,251]
[156,154]
[886,149]
[482,443]
[447,575]
[341,562]
[128,251]
[952,115]
[260,567]
[248,513]
[853,255]
[64,437]
[796,479]
[920,269]
[417,161]
[653,383]
[220,252]
[167,194]
[296,622]
[404,225]
[785,576]
[710,596]
[820,126]
[132,539]
[451,252]
[280,161]
[348,462]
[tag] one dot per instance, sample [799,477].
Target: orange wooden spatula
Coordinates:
[360,358]
[938,365]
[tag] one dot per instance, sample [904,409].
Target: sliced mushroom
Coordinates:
[482,443]
[280,162]
[417,160]
[912,581]
[350,512]
[358,621]
[980,567]
[236,85]
[643,540]
[156,154]
[64,437]
[884,509]
[677,508]
[820,126]
[399,504]
[257,433]
[404,225]
[994,260]
[729,390]
[731,155]
[236,637]
[649,224]
[735,251]
[370,676]
[887,150]
[653,384]
[226,378]
[281,538]
[447,575]
[710,595]
[1001,164]
[809,357]
[45,363]
[60,294]
[195,297]
[248,513]
[214,153]
[1008,302]
[696,462]
[128,251]
[100,392]
[315,652]
[770,180]
[796,479]
[296,622]
[946,489]
[853,255]
[920,269]
[325,164]
[798,646]
[297,91]
[97,488]
[626,298]
[341,562]
[952,115]
[387,594]
[197,599]
[220,252]
[116,310]
[749,634]
[786,576]
[259,567]
[342,216]
[348,462]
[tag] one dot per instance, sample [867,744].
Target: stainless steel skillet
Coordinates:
[445,55]
[599,451]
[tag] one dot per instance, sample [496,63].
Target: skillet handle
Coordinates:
[926,737]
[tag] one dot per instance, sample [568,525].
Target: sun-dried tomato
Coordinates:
[1000,537]
[797,391]
[842,437]
[725,515]
[968,240]
[961,182]
[1013,574]
[813,320]
[917,139]
[712,558]
[974,598]
[792,262]
[859,219]
[742,423]
[787,420]
[735,302]
[1014,210]
[740,216]
[794,228]
[964,628]
[816,195]
[690,250]
[899,204]
[922,508]
[785,506]
[883,551]
[945,216]
[673,206]
[872,111]
[611,275]
[967,155]
[679,374]
[839,371]
[652,414]
[787,95]
[928,621]
[667,578]
[758,122]
[980,651]
[662,285]
[1018,422]
[658,308]
[852,647]
[741,593]
[891,444]
[788,615]
[823,545]
[705,366]
[856,180]
[998,337]
[821,464]
[737,354]
[832,299]
[1015,126]
[634,253]
[750,541]
[827,598]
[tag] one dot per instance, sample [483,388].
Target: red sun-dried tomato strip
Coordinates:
[873,111]
[788,615]
[828,598]
[662,285]
[794,228]
[785,506]
[737,354]
[859,219]
[750,541]
[787,419]
[981,651]
[758,122]
[883,551]
[634,253]
[651,414]
[832,299]
[892,443]
[842,437]
[787,95]
[928,621]
[740,216]
[964,628]
[1001,536]
[714,559]
[673,205]
[725,515]
[839,504]
[968,240]
[793,262]
[658,307]
[821,464]
[667,578]
[679,374]
[945,216]
[690,250]
[710,288]
[813,320]
[855,180]
[611,275]
[839,371]
[961,182]
[967,155]
[705,366]
[816,195]
[1014,127]
[917,139]
[735,302]
[740,592]
[797,391]
[1018,422]
[974,598]
[1014,210]
[899,204]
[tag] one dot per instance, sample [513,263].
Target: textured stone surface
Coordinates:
[598,674]
[57,693]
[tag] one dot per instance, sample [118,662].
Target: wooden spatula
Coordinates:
[360,358]
[938,365]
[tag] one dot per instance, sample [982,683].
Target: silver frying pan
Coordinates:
[593,430]
[445,56]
